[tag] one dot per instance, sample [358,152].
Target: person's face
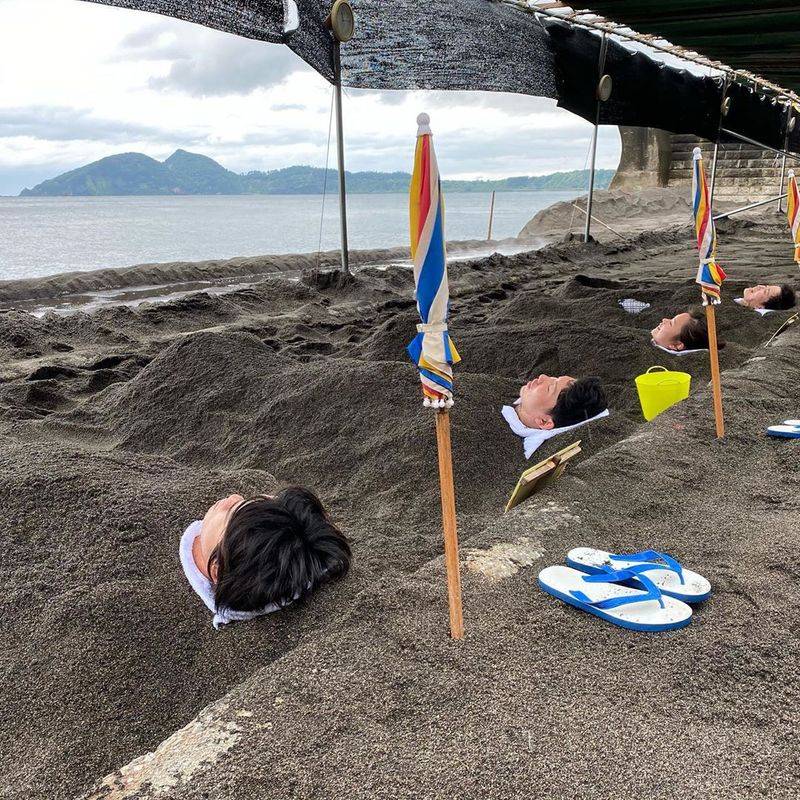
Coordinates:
[667,332]
[215,522]
[538,397]
[759,296]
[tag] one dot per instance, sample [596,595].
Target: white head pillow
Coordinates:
[678,352]
[205,589]
[534,438]
[762,311]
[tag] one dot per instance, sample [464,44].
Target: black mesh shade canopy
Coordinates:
[398,44]
[492,46]
[646,93]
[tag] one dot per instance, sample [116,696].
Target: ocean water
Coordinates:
[45,236]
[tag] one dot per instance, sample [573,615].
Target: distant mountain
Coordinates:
[191,173]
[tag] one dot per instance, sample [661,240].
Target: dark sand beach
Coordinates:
[119,428]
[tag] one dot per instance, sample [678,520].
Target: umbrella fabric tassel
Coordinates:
[710,276]
[432,350]
[793,213]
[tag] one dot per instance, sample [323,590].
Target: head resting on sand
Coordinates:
[770,296]
[685,331]
[546,402]
[269,550]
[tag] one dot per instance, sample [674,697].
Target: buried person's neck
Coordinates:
[535,420]
[200,558]
[215,522]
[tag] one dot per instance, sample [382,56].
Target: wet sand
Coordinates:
[120,427]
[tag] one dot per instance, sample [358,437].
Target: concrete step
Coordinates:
[745,166]
[725,155]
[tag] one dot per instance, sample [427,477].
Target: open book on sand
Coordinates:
[540,475]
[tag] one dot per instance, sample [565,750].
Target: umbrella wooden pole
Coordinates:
[716,385]
[449,523]
[491,218]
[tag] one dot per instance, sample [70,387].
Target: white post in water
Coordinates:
[603,92]
[337,67]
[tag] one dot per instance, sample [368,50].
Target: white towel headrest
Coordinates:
[534,438]
[204,587]
[761,311]
[678,352]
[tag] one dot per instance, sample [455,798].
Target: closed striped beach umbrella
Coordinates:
[710,274]
[793,213]
[432,349]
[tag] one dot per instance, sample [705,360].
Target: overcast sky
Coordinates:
[82,81]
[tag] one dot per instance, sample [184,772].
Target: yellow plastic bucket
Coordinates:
[660,390]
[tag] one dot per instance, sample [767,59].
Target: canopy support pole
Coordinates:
[722,112]
[491,218]
[337,69]
[588,227]
[601,64]
[747,139]
[713,175]
[758,203]
[449,523]
[783,158]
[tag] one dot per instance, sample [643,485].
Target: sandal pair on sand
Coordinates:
[788,429]
[647,591]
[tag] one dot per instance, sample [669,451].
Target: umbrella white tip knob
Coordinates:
[426,402]
[697,153]
[450,403]
[791,173]
[423,124]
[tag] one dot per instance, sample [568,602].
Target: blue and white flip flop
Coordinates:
[663,570]
[789,429]
[606,596]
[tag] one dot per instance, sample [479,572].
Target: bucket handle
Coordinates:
[669,382]
[666,381]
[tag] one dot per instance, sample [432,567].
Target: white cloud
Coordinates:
[97,80]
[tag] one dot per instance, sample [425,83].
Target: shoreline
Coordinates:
[154,280]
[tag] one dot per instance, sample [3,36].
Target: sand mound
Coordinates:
[646,210]
[119,428]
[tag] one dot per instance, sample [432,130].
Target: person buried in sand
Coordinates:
[686,331]
[248,557]
[770,297]
[546,403]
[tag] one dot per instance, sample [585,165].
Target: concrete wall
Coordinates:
[645,158]
[652,157]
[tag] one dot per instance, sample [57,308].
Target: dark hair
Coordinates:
[695,332]
[784,300]
[276,550]
[582,400]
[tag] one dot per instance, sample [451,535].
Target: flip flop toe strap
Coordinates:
[652,592]
[649,557]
